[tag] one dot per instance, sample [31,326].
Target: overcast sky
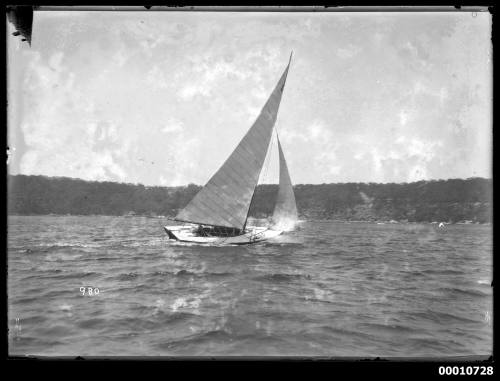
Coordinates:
[162,98]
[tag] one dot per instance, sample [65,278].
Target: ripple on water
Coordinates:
[329,289]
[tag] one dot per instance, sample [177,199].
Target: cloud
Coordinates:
[156,77]
[425,151]
[209,73]
[172,126]
[55,61]
[191,90]
[181,171]
[348,51]
[120,58]
[320,153]
[316,132]
[60,135]
[406,159]
[163,181]
[403,117]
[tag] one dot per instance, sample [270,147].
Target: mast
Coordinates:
[225,199]
[282,88]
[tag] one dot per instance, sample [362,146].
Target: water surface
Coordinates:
[328,289]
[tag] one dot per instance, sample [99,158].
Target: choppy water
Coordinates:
[329,289]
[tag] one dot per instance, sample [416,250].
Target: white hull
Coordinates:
[253,234]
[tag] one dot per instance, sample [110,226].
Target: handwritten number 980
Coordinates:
[89,290]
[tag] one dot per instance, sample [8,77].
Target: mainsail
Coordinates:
[285,210]
[225,199]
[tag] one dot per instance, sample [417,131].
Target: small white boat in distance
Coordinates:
[218,214]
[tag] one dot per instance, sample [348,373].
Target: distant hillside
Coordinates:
[453,200]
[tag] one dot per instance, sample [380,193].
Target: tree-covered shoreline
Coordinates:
[452,201]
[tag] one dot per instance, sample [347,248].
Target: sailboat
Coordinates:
[218,213]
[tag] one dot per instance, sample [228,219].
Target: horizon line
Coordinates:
[199,185]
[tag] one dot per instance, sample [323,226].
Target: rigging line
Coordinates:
[253,195]
[268,160]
